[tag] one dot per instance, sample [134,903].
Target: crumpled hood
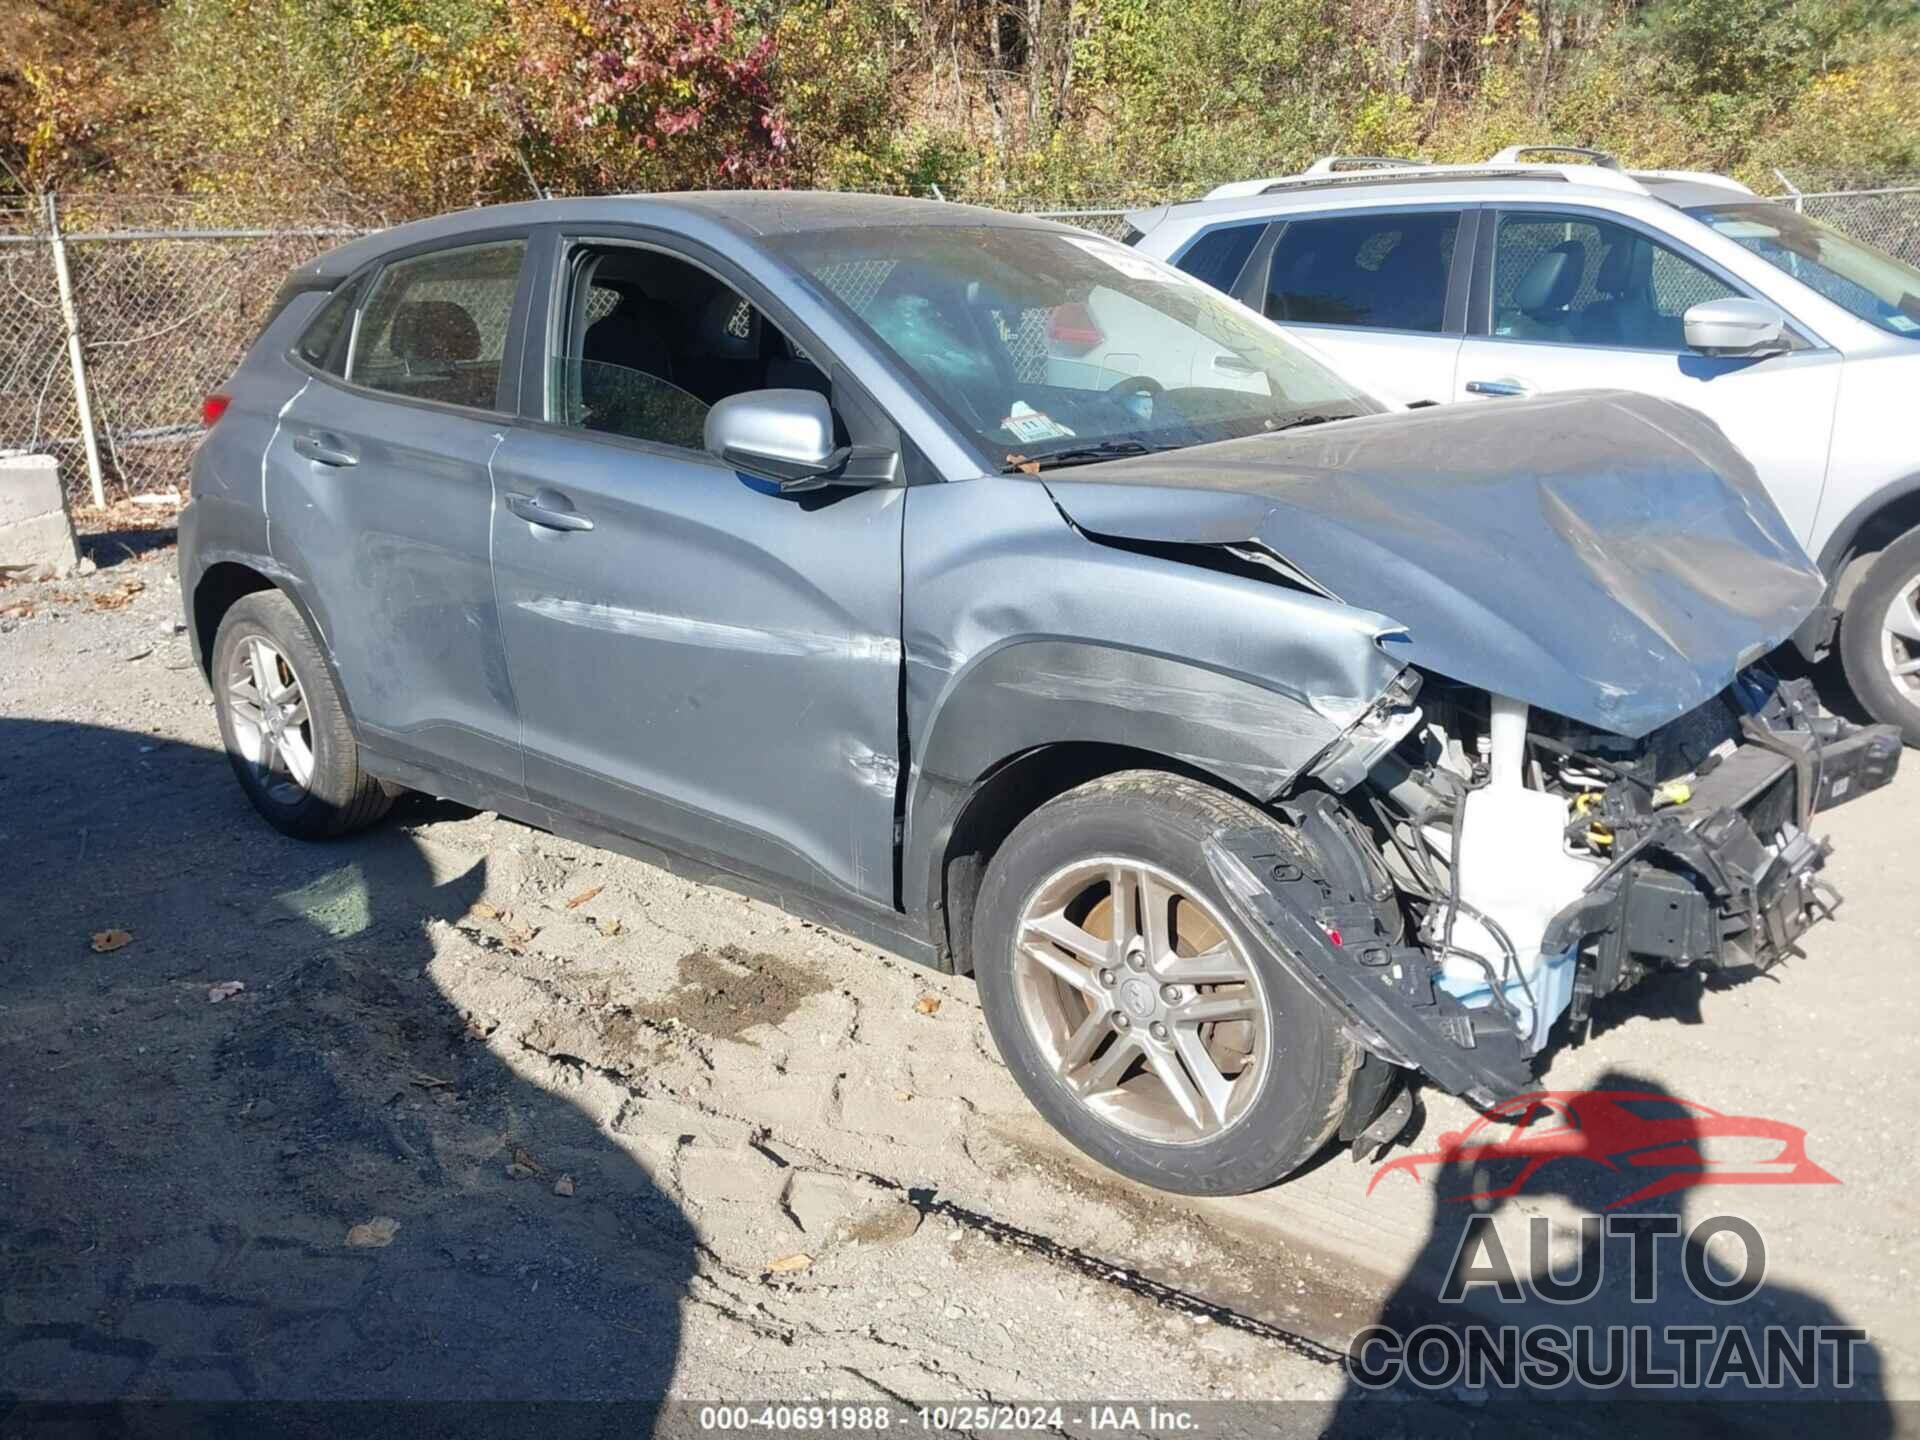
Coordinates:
[1604,555]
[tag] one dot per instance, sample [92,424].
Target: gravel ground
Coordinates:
[458,1109]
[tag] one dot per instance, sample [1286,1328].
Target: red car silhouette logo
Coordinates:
[1629,1133]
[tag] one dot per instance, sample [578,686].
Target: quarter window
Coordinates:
[1218,256]
[324,345]
[1385,272]
[435,326]
[1582,281]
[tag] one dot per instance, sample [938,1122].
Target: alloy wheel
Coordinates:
[1140,998]
[271,726]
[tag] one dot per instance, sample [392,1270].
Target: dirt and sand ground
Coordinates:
[456,1108]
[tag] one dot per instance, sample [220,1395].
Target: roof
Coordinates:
[746,213]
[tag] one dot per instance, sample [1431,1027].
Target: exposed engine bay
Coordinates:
[1474,869]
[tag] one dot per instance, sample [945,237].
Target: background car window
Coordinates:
[435,326]
[1218,256]
[1592,282]
[324,345]
[652,343]
[1386,272]
[1870,283]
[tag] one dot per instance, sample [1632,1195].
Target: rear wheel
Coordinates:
[1880,638]
[1132,1009]
[284,727]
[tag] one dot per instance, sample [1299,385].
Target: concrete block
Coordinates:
[35,534]
[29,487]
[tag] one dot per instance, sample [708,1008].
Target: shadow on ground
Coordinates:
[179,1176]
[1652,1286]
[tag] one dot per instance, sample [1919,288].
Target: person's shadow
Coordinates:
[320,1183]
[1660,1270]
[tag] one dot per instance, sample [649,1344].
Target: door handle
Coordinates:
[1498,387]
[529,509]
[325,450]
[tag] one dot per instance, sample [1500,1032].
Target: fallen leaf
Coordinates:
[786,1264]
[481,910]
[563,1186]
[903,1095]
[518,937]
[521,1157]
[225,990]
[927,1004]
[115,600]
[106,941]
[585,895]
[611,927]
[374,1234]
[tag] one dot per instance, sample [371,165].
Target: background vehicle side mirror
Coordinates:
[1735,326]
[785,436]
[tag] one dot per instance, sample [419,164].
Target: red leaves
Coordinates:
[646,94]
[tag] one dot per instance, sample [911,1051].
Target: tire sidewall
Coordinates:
[272,618]
[1307,1061]
[1860,630]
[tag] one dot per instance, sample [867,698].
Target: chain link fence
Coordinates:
[165,295]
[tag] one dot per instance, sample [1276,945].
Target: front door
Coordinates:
[377,495]
[697,658]
[1574,301]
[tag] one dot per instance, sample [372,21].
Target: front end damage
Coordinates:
[1474,871]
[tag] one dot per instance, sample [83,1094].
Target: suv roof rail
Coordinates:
[1516,154]
[1412,172]
[1328,164]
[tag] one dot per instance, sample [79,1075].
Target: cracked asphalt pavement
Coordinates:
[459,1109]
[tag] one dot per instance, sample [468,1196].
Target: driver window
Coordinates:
[652,343]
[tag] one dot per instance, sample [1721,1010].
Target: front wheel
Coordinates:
[1133,1011]
[1880,638]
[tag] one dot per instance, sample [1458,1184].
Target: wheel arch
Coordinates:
[225,582]
[1873,524]
[988,811]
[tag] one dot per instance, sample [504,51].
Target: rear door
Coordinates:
[698,658]
[377,493]
[1381,292]
[1568,299]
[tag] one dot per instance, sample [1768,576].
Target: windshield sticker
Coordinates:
[1028,425]
[1904,324]
[1117,257]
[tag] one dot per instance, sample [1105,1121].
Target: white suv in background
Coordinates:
[1462,282]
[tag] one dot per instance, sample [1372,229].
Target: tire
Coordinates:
[1296,1094]
[336,796]
[1867,646]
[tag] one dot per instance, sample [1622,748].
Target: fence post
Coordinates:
[75,358]
[1799,201]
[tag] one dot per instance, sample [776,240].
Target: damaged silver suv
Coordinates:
[1015,602]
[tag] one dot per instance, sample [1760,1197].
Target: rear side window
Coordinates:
[1218,256]
[1384,272]
[435,326]
[325,343]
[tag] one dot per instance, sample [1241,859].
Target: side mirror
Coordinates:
[1736,327]
[785,436]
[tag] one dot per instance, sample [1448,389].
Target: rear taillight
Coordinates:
[213,407]
[1072,327]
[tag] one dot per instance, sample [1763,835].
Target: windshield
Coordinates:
[1054,349]
[1873,285]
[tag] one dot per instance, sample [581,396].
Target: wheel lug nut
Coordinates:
[1170,994]
[1120,1020]
[1106,978]
[1136,960]
[1157,1030]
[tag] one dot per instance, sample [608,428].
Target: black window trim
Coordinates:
[507,392]
[1453,317]
[1480,305]
[849,399]
[1265,226]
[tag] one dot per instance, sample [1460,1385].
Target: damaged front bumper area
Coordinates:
[1499,871]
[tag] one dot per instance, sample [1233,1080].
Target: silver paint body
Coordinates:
[802,692]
